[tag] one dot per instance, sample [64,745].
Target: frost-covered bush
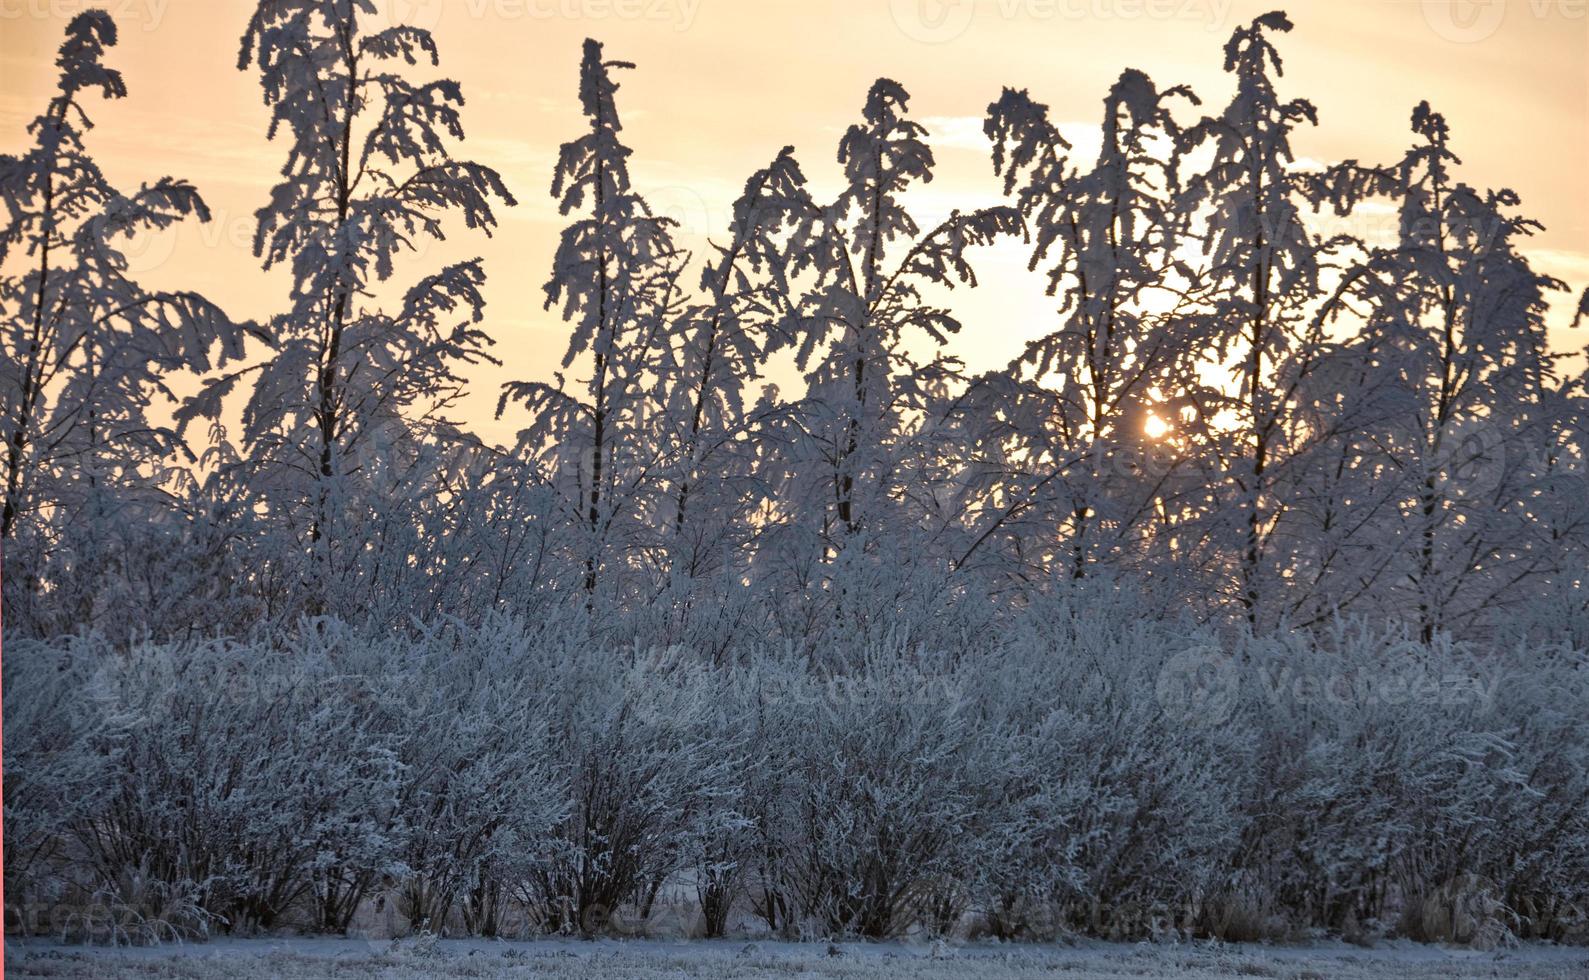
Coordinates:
[884,596]
[247,770]
[881,762]
[1041,776]
[1390,774]
[646,774]
[1538,855]
[62,746]
[1113,814]
[464,711]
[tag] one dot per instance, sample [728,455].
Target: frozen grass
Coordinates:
[644,960]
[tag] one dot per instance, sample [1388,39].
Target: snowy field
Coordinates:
[643,960]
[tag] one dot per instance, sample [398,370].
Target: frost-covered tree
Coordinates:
[615,278]
[85,349]
[747,313]
[1458,339]
[1075,406]
[867,305]
[1261,285]
[370,175]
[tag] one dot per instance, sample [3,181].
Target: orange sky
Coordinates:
[723,84]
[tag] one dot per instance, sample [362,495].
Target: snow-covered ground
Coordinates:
[643,960]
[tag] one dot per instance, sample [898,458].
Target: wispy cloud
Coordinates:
[965,133]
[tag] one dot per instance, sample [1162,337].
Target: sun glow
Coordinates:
[1155,427]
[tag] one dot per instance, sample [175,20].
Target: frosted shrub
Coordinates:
[246,768]
[54,710]
[1392,774]
[1040,776]
[1114,814]
[883,596]
[464,711]
[733,847]
[882,761]
[646,778]
[1541,858]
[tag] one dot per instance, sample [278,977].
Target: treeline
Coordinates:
[1251,421]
